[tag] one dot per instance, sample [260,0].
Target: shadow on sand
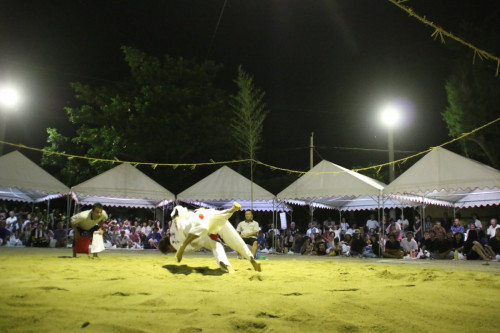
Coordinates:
[186,270]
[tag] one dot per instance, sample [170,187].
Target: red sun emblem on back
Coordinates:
[201,216]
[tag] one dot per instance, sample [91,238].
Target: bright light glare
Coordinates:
[390,115]
[9,97]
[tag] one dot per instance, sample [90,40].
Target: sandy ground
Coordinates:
[45,290]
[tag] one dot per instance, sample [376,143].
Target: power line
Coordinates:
[216,28]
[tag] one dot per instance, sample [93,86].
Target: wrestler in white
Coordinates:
[193,230]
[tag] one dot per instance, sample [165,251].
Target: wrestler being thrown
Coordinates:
[191,231]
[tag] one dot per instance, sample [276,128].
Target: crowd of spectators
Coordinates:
[392,239]
[21,227]
[439,239]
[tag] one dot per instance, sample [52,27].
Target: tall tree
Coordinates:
[168,110]
[473,89]
[474,100]
[249,113]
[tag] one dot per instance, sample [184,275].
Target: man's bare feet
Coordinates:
[236,207]
[226,268]
[255,264]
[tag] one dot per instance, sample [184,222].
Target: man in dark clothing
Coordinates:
[442,247]
[392,248]
[358,244]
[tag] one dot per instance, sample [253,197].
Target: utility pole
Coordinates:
[311,165]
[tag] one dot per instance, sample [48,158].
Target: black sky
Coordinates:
[325,65]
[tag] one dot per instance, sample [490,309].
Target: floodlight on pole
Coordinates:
[9,97]
[390,117]
[9,100]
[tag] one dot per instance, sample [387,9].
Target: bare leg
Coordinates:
[256,265]
[478,248]
[489,252]
[254,248]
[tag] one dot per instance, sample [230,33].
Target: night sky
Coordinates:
[326,66]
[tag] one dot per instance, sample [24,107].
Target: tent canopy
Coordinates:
[443,177]
[328,185]
[123,186]
[222,187]
[23,180]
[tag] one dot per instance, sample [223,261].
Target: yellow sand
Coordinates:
[45,290]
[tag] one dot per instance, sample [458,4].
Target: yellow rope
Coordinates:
[441,33]
[93,160]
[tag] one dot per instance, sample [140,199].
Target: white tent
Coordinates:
[123,186]
[445,178]
[330,186]
[22,180]
[222,187]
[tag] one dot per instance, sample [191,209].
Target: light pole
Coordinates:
[9,99]
[390,117]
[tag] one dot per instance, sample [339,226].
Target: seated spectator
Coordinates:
[457,227]
[349,231]
[374,250]
[297,243]
[122,241]
[429,242]
[371,223]
[491,231]
[319,248]
[457,242]
[494,243]
[392,248]
[293,228]
[403,222]
[26,235]
[439,228]
[346,244]
[336,232]
[154,238]
[312,229]
[483,240]
[477,222]
[39,236]
[358,244]
[10,221]
[107,237]
[307,247]
[408,244]
[288,240]
[333,245]
[393,229]
[473,249]
[442,247]
[470,226]
[60,236]
[134,239]
[344,225]
[261,240]
[4,233]
[14,241]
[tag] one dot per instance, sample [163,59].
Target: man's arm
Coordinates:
[180,250]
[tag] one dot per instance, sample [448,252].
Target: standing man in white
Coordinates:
[193,230]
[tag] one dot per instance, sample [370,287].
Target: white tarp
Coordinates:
[122,186]
[445,178]
[222,187]
[23,180]
[331,186]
